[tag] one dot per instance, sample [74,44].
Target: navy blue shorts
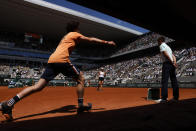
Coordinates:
[53,69]
[101,78]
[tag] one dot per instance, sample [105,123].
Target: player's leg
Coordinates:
[6,107]
[49,73]
[80,88]
[80,93]
[101,85]
[25,92]
[71,71]
[32,89]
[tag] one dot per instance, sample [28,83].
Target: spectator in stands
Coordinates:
[168,70]
[58,62]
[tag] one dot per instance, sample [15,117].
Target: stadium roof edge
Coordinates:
[82,15]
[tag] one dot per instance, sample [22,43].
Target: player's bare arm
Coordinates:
[93,39]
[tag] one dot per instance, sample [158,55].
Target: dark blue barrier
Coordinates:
[23,53]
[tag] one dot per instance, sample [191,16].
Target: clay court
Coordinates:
[54,108]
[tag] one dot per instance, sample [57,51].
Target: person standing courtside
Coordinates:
[102,75]
[58,62]
[168,70]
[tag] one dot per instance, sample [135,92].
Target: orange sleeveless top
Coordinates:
[64,49]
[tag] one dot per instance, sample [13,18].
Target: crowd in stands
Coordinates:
[148,69]
[144,41]
[23,70]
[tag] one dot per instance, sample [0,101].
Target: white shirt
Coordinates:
[165,47]
[101,74]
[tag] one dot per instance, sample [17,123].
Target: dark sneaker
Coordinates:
[84,108]
[6,111]
[160,101]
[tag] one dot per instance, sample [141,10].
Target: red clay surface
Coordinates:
[54,108]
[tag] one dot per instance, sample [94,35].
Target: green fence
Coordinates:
[156,85]
[69,82]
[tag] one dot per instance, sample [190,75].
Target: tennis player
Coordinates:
[58,62]
[102,75]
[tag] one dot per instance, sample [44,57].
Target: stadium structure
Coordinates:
[171,18]
[50,20]
[31,30]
